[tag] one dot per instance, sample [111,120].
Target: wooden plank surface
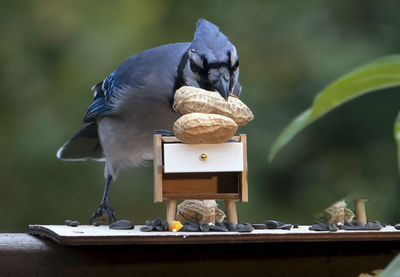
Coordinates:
[25,255]
[102,235]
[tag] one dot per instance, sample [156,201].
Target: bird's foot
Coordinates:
[104,212]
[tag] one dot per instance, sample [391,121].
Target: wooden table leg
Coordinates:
[171,210]
[231,211]
[361,215]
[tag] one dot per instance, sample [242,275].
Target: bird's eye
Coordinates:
[195,58]
[198,64]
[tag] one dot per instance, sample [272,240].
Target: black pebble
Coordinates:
[244,227]
[146,228]
[96,223]
[204,227]
[259,226]
[74,223]
[272,224]
[68,222]
[230,226]
[397,226]
[122,225]
[216,228]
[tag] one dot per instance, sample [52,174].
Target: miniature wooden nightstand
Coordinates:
[200,171]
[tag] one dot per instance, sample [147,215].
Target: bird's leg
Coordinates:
[104,209]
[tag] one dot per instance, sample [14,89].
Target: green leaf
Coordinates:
[397,137]
[393,269]
[379,74]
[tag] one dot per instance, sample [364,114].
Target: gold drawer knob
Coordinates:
[203,157]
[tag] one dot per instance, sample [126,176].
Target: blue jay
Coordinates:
[136,99]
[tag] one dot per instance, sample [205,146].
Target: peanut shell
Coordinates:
[190,100]
[204,128]
[201,211]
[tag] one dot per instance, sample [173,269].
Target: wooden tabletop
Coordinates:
[102,235]
[98,251]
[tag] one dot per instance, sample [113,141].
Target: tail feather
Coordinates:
[85,144]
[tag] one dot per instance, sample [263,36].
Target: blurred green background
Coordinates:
[52,52]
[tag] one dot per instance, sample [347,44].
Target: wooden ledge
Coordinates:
[26,255]
[102,235]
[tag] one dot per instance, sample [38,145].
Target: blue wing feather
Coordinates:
[109,84]
[101,103]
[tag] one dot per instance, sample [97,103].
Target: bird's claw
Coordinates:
[103,212]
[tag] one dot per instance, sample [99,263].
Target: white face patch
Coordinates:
[234,56]
[235,76]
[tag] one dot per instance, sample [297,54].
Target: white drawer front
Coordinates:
[180,157]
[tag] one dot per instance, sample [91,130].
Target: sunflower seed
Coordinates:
[74,223]
[259,226]
[204,227]
[272,224]
[244,227]
[122,225]
[230,226]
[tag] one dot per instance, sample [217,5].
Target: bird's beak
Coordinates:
[222,86]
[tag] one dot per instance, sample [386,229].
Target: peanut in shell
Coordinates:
[191,100]
[204,128]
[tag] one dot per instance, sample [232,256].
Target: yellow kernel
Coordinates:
[175,225]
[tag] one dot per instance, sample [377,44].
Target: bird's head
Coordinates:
[212,62]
